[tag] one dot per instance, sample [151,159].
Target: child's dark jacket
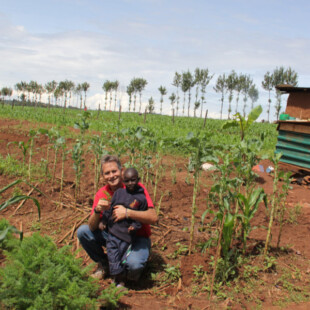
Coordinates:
[135,201]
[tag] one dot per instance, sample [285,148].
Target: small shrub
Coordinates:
[38,276]
[7,240]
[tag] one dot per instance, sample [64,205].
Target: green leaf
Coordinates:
[10,185]
[18,198]
[254,114]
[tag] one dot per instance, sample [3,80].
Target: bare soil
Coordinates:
[280,287]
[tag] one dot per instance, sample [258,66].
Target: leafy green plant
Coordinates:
[275,160]
[200,152]
[249,205]
[111,295]
[33,134]
[11,166]
[23,146]
[6,234]
[17,198]
[172,274]
[83,124]
[97,147]
[282,195]
[38,276]
[182,250]
[242,122]
[293,214]
[78,164]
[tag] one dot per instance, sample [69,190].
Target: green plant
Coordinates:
[174,174]
[17,198]
[249,205]
[11,166]
[243,123]
[38,276]
[98,149]
[294,214]
[182,250]
[111,295]
[275,160]
[281,202]
[172,274]
[7,241]
[82,125]
[78,164]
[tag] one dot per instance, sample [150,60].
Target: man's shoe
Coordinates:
[101,272]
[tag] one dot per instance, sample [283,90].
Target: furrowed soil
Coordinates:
[285,283]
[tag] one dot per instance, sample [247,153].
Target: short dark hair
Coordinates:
[110,159]
[132,170]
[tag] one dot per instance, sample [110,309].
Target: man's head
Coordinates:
[131,179]
[112,171]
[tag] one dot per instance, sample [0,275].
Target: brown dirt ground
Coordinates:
[61,222]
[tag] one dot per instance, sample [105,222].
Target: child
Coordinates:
[121,233]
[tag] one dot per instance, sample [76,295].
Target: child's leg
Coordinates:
[115,250]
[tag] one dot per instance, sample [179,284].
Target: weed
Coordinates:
[270,263]
[182,250]
[294,214]
[172,274]
[11,166]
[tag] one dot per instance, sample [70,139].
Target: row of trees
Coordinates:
[33,91]
[192,85]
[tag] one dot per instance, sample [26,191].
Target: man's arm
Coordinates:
[95,218]
[146,217]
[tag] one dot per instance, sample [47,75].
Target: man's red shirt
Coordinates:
[105,192]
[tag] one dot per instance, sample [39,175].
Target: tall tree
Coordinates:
[129,91]
[50,88]
[163,92]
[150,106]
[238,88]
[172,99]
[246,85]
[220,87]
[115,89]
[253,94]
[206,77]
[231,85]
[6,92]
[141,83]
[267,84]
[107,87]
[65,87]
[197,82]
[186,85]
[282,76]
[85,87]
[79,92]
[177,83]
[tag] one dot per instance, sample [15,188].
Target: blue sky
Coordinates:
[98,40]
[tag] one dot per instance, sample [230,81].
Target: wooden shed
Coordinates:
[294,133]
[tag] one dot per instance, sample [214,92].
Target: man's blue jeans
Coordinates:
[93,241]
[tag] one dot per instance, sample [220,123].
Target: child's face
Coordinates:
[131,180]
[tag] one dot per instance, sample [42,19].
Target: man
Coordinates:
[92,236]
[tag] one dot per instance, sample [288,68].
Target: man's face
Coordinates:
[112,175]
[131,180]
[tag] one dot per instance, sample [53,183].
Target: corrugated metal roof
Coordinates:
[295,148]
[292,89]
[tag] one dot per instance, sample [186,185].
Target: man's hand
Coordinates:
[130,228]
[119,213]
[102,205]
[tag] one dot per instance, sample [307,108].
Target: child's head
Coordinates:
[131,179]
